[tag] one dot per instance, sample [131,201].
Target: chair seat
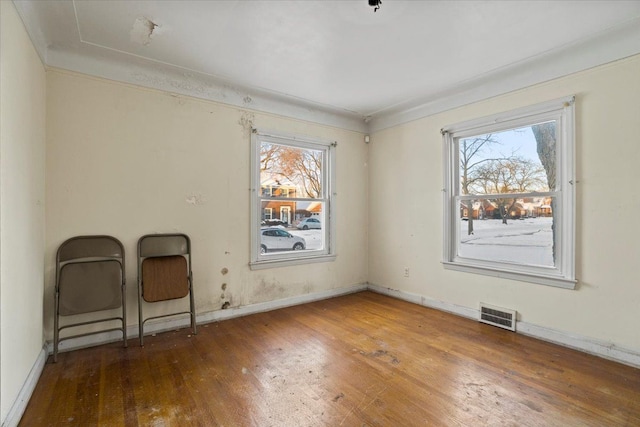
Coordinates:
[164,278]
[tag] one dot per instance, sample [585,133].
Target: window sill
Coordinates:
[260,265]
[555,281]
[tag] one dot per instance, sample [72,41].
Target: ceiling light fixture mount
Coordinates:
[375,4]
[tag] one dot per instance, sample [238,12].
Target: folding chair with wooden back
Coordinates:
[164,273]
[90,277]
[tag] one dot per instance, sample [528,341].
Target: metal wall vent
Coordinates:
[497,316]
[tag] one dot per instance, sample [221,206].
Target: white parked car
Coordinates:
[277,239]
[308,223]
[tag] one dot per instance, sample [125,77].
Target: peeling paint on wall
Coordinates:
[246,122]
[226,300]
[143,30]
[195,199]
[186,84]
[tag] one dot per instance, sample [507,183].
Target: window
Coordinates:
[509,195]
[293,178]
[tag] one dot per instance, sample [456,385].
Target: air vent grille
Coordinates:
[497,316]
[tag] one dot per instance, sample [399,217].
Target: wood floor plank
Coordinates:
[358,360]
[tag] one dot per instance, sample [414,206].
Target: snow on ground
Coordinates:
[527,241]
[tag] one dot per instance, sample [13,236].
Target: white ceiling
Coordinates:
[334,62]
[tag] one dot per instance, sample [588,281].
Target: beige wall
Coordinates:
[405,224]
[126,161]
[22,158]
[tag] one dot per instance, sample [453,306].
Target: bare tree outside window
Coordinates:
[471,150]
[545,134]
[510,175]
[301,167]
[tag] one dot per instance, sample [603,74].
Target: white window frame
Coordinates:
[563,274]
[286,258]
[270,212]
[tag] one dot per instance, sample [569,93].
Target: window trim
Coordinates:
[563,274]
[329,178]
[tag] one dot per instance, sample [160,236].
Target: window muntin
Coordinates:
[292,179]
[509,195]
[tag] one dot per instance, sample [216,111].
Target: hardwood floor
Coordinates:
[358,360]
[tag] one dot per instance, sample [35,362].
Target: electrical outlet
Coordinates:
[406,272]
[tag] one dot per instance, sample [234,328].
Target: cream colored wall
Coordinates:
[405,225]
[126,161]
[22,152]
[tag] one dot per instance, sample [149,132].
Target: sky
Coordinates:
[519,141]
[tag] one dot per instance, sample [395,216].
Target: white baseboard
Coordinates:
[587,345]
[230,313]
[576,342]
[20,404]
[424,301]
[168,324]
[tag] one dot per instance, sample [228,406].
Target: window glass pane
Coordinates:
[513,161]
[508,230]
[287,171]
[294,226]
[276,212]
[510,191]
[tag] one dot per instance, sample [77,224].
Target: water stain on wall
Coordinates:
[246,123]
[266,291]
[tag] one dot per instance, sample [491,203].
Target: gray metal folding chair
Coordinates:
[90,277]
[164,273]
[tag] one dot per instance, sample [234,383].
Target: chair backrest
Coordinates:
[164,262]
[89,247]
[89,274]
[157,245]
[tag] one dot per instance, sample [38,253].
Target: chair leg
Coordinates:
[193,306]
[56,332]
[140,323]
[124,315]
